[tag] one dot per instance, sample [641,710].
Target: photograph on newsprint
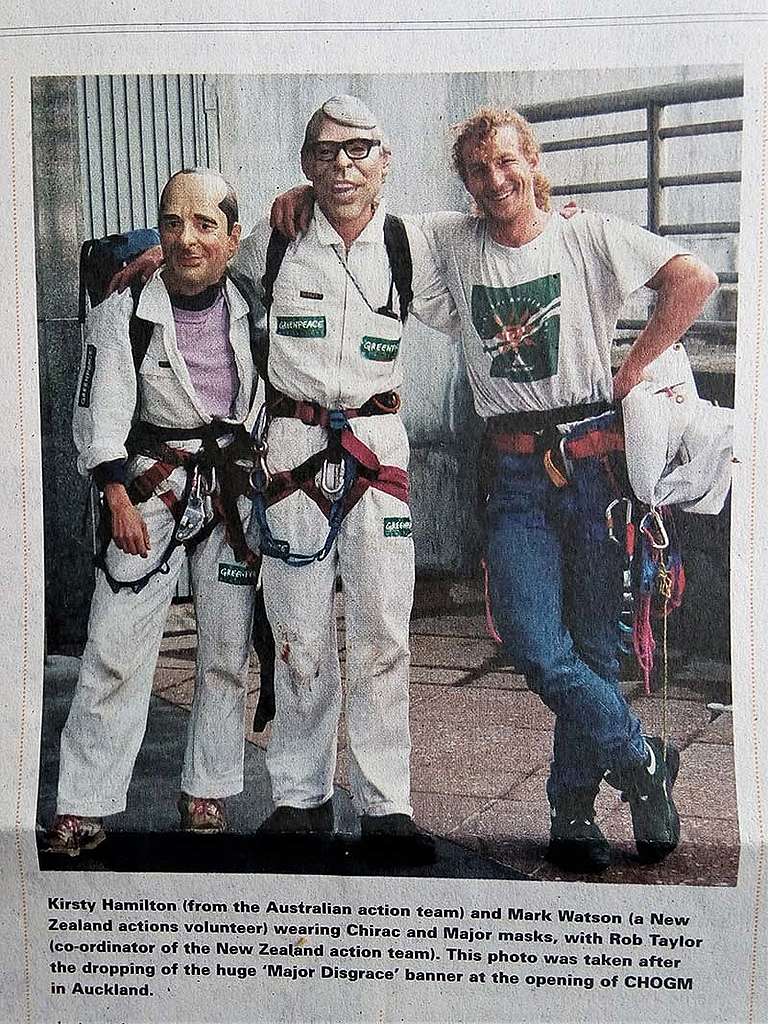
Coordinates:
[383,519]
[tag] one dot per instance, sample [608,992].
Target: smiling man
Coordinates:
[538,297]
[167,380]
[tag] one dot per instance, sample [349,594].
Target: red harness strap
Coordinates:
[144,485]
[595,443]
[390,479]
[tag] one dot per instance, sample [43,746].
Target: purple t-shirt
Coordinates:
[203,340]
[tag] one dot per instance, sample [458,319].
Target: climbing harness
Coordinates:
[345,469]
[216,475]
[338,476]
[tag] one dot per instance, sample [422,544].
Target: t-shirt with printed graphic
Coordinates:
[558,297]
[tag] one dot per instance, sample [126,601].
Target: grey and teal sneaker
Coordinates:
[648,790]
[575,840]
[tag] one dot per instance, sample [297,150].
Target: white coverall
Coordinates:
[330,346]
[106,722]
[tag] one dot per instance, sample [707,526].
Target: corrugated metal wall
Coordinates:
[135,131]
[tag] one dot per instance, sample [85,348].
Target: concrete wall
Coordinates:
[58,233]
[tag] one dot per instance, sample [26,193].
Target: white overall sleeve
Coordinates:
[250,258]
[105,399]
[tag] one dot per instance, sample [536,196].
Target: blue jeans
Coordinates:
[555,584]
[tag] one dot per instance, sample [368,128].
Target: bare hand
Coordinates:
[129,531]
[292,211]
[627,376]
[141,268]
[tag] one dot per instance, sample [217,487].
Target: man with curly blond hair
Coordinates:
[538,297]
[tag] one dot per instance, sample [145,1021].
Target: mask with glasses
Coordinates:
[356,149]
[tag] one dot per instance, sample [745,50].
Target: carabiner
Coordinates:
[259,428]
[627,518]
[260,475]
[332,479]
[654,515]
[609,520]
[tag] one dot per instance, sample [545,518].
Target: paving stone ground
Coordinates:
[482,744]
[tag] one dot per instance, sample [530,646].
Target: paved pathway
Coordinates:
[482,743]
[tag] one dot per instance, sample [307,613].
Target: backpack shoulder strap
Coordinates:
[276,249]
[258,337]
[400,262]
[139,330]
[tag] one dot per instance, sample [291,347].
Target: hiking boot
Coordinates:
[71,834]
[575,840]
[202,814]
[648,790]
[286,820]
[395,838]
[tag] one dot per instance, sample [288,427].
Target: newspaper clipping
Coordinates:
[382,633]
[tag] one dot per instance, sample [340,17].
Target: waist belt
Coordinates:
[314,415]
[595,442]
[541,419]
[586,440]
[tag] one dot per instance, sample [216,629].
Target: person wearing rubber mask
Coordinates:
[538,297]
[158,424]
[337,501]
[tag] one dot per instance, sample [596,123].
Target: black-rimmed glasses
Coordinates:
[356,149]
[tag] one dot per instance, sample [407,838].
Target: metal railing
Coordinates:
[653,100]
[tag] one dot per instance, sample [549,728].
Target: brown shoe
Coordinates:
[202,814]
[70,834]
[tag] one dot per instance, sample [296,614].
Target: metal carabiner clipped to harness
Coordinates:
[193,517]
[260,475]
[660,540]
[332,479]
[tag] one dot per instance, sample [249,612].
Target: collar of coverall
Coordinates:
[155,303]
[325,234]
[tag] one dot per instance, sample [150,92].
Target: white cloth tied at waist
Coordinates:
[679,447]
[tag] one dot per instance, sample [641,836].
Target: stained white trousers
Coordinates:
[108,716]
[374,557]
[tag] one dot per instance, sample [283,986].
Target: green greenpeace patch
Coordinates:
[301,326]
[240,575]
[399,526]
[529,317]
[382,350]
